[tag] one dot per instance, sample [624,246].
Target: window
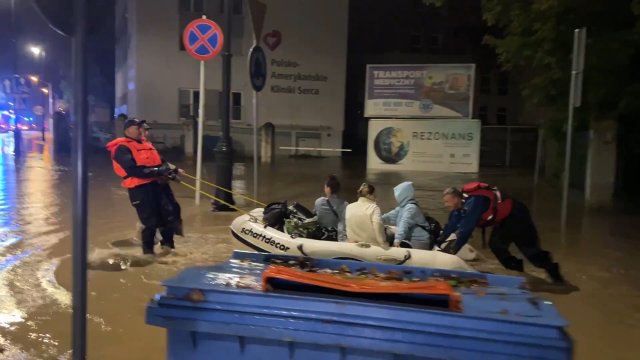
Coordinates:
[485,83]
[417,42]
[184,5]
[189,10]
[198,5]
[189,104]
[435,41]
[191,6]
[189,101]
[236,105]
[503,84]
[501,116]
[483,114]
[237,7]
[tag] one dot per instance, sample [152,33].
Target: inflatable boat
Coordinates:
[249,230]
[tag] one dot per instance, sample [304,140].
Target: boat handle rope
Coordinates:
[406,258]
[227,190]
[301,249]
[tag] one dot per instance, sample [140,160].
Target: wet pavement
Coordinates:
[598,253]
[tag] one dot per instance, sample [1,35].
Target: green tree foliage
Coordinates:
[536,41]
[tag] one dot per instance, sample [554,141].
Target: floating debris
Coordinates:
[307,265]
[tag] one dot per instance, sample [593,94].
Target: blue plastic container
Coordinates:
[208,317]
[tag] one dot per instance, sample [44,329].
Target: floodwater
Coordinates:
[598,253]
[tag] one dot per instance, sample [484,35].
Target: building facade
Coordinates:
[306,46]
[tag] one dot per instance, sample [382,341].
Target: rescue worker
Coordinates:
[481,205]
[169,202]
[141,168]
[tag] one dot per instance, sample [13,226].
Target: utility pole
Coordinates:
[80,180]
[224,148]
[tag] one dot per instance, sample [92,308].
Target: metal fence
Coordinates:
[509,146]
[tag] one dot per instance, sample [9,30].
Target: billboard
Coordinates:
[445,145]
[420,91]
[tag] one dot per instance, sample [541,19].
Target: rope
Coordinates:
[221,201]
[223,189]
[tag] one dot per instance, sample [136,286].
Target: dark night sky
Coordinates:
[27,26]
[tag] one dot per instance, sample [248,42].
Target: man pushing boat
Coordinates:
[481,205]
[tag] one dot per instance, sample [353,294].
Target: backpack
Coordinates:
[275,214]
[499,208]
[433,227]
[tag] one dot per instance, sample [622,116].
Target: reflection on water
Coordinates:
[29,229]
[34,241]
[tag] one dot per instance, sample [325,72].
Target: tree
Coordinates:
[535,42]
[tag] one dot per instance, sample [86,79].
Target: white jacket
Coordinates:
[364,223]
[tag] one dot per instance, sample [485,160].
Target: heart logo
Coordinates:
[272,39]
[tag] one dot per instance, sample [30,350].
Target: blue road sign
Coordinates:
[203,39]
[257,68]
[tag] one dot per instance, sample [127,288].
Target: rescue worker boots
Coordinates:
[554,273]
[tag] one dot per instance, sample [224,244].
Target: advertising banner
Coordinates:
[445,145]
[423,91]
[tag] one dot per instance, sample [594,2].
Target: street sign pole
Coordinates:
[258,75]
[258,11]
[575,100]
[201,117]
[255,144]
[203,39]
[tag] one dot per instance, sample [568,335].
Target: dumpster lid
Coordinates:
[506,303]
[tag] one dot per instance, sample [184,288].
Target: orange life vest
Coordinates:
[499,208]
[144,154]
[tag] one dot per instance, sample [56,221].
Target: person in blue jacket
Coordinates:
[408,218]
[511,224]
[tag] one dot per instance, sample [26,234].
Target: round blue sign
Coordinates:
[257,68]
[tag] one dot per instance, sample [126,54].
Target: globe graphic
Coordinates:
[390,145]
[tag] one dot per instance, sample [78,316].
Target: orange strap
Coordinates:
[360,285]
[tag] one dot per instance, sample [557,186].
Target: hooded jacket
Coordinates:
[407,216]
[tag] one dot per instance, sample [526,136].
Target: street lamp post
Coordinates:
[49,92]
[38,52]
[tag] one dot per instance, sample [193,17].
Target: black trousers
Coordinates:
[171,208]
[147,199]
[518,228]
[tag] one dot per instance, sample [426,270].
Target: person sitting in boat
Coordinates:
[364,223]
[408,219]
[330,210]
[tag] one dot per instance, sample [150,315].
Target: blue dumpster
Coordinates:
[216,312]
